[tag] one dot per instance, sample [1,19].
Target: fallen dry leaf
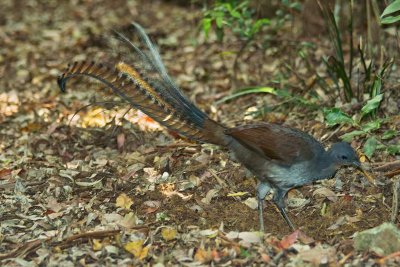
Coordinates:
[206,256]
[318,255]
[97,245]
[251,202]
[209,196]
[152,206]
[129,221]
[5,174]
[168,233]
[289,240]
[121,140]
[326,192]
[136,249]
[123,201]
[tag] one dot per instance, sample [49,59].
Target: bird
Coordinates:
[280,157]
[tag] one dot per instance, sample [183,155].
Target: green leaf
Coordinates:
[337,67]
[393,149]
[255,27]
[370,146]
[206,26]
[219,21]
[244,253]
[297,6]
[347,137]
[393,7]
[389,134]
[390,19]
[371,126]
[161,216]
[234,13]
[376,86]
[335,116]
[371,105]
[250,90]
[259,23]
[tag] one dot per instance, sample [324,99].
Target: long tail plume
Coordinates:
[147,86]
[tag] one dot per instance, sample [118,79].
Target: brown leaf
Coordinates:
[202,255]
[5,174]
[289,240]
[318,255]
[121,140]
[326,192]
[152,206]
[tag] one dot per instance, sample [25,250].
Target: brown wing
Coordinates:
[277,142]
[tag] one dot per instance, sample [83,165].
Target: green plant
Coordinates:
[285,11]
[236,16]
[335,64]
[367,128]
[281,94]
[249,90]
[372,79]
[387,15]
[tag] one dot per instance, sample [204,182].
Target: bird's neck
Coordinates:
[326,166]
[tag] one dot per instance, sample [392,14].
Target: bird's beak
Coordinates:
[356,164]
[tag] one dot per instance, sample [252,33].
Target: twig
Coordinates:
[219,180]
[395,202]
[97,234]
[174,145]
[24,249]
[392,173]
[345,258]
[393,255]
[36,244]
[388,166]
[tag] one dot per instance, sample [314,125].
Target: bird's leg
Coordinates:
[260,214]
[279,202]
[286,217]
[262,191]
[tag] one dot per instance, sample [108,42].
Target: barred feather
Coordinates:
[127,83]
[146,85]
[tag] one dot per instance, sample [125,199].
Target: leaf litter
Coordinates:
[95,186]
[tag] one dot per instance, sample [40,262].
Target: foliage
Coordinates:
[286,97]
[235,15]
[284,13]
[370,128]
[372,82]
[387,15]
[250,90]
[336,65]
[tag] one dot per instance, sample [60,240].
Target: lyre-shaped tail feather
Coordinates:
[176,114]
[144,56]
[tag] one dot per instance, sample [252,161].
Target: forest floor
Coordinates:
[93,187]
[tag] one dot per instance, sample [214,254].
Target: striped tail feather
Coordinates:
[127,82]
[144,56]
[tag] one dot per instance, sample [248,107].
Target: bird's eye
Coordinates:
[344,157]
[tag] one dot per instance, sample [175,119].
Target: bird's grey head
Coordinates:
[344,155]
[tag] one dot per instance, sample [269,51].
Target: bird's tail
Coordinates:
[148,87]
